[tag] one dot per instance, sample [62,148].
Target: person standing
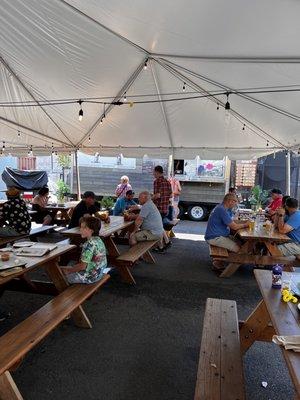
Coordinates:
[123,187]
[162,193]
[176,190]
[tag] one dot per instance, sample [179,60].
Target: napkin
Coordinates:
[291,342]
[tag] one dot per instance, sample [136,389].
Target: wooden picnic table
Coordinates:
[49,262]
[63,209]
[249,250]
[271,317]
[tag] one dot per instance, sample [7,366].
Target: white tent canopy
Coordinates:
[61,51]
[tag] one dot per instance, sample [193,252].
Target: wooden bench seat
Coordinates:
[218,252]
[220,370]
[132,255]
[16,343]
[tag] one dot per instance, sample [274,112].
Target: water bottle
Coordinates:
[277,276]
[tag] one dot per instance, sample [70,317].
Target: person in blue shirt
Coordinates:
[124,203]
[287,221]
[219,224]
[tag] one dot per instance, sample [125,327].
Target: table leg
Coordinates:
[254,326]
[8,388]
[233,267]
[54,272]
[275,252]
[111,247]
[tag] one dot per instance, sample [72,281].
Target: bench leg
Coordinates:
[125,274]
[229,270]
[255,327]
[148,257]
[79,316]
[8,388]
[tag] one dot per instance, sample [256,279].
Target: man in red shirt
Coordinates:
[276,202]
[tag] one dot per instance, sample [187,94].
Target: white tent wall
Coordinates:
[75,49]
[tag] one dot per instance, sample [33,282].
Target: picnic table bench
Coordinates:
[16,343]
[127,259]
[220,370]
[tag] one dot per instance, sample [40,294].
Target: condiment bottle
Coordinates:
[277,276]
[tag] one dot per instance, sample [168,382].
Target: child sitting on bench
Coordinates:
[93,262]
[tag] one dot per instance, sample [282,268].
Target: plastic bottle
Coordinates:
[277,276]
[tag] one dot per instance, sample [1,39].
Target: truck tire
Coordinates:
[197,212]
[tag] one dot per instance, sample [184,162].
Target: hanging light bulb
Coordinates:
[146,64]
[218,106]
[89,138]
[101,121]
[183,87]
[243,128]
[125,98]
[19,133]
[227,110]
[80,114]
[3,147]
[267,143]
[286,154]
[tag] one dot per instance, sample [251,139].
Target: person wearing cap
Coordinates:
[124,203]
[87,206]
[276,202]
[14,216]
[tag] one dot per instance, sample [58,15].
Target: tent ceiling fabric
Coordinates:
[93,48]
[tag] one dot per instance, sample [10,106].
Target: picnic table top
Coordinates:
[116,224]
[284,318]
[34,262]
[263,234]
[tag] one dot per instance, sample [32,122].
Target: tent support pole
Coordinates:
[288,173]
[77,175]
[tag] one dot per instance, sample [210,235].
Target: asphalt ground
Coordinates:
[144,344]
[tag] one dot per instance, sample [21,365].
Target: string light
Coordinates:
[125,98]
[286,154]
[227,105]
[267,143]
[146,64]
[19,133]
[89,138]
[101,121]
[80,114]
[218,106]
[183,87]
[3,146]
[243,128]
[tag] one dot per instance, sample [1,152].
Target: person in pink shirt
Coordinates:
[123,187]
[176,190]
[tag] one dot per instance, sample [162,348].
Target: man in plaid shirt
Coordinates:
[161,198]
[162,191]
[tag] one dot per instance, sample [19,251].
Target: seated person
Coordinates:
[93,260]
[124,203]
[288,222]
[276,202]
[219,224]
[14,216]
[87,206]
[148,223]
[39,204]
